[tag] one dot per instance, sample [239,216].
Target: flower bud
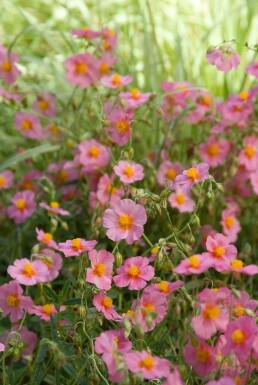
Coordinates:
[139,331]
[82,311]
[118,259]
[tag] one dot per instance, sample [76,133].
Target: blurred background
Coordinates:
[158,39]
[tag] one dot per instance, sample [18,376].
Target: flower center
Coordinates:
[135,93]
[147,363]
[48,309]
[163,286]
[203,355]
[99,269]
[170,174]
[54,205]
[194,261]
[125,222]
[129,171]
[28,270]
[192,173]
[6,66]
[237,264]
[122,126]
[26,125]
[237,380]
[2,181]
[111,189]
[47,237]
[13,300]
[238,311]
[211,312]
[250,151]
[180,198]
[21,204]
[213,150]
[130,313]
[229,222]
[81,68]
[244,95]
[116,80]
[149,307]
[43,104]
[238,337]
[218,252]
[205,100]
[133,271]
[103,68]
[107,302]
[94,152]
[77,245]
[28,185]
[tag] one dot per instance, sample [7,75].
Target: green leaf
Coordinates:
[73,301]
[50,293]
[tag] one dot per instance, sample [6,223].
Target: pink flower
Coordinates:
[112,340]
[147,365]
[6,179]
[119,127]
[74,247]
[219,251]
[8,70]
[10,96]
[195,264]
[223,58]
[54,207]
[86,33]
[28,273]
[248,157]
[28,125]
[200,356]
[45,311]
[134,273]
[240,336]
[93,155]
[46,238]
[215,151]
[181,201]
[174,378]
[192,176]
[101,272]
[252,69]
[109,39]
[13,302]
[107,192]
[105,63]
[254,181]
[163,287]
[168,171]
[125,220]
[129,172]
[116,80]
[104,304]
[230,224]
[52,260]
[81,70]
[23,206]
[223,381]
[237,266]
[28,339]
[2,347]
[240,305]
[134,98]
[45,105]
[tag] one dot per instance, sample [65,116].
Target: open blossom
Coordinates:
[134,98]
[174,378]
[105,63]
[100,272]
[195,264]
[52,260]
[200,356]
[230,224]
[28,273]
[46,238]
[116,80]
[104,304]
[134,273]
[214,151]
[106,191]
[54,207]
[243,303]
[109,39]
[86,32]
[6,179]
[146,364]
[45,311]
[8,70]
[248,157]
[29,125]
[74,247]
[219,251]
[111,340]
[45,104]
[223,58]
[192,176]
[252,69]
[21,334]
[237,266]
[119,124]
[168,171]
[93,155]
[125,220]
[13,302]
[81,70]
[163,287]
[23,206]
[129,172]
[181,201]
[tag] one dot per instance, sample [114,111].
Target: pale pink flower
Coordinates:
[101,269]
[45,311]
[29,125]
[28,339]
[119,126]
[93,155]
[200,356]
[223,381]
[168,171]
[248,157]
[129,171]
[104,304]
[192,176]
[109,39]
[252,69]
[223,58]
[174,378]
[230,224]
[105,63]
[86,33]
[28,273]
[8,70]
[112,340]
[23,206]
[181,201]
[46,238]
[13,302]
[206,230]
[52,260]
[147,365]
[237,266]
[134,273]
[54,208]
[195,264]
[2,347]
[254,181]
[134,98]
[45,104]
[163,287]
[81,70]
[107,192]
[214,151]
[116,81]
[74,247]
[125,220]
[219,251]
[6,179]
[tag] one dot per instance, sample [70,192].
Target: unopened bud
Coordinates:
[195,220]
[139,331]
[118,259]
[82,311]
[128,154]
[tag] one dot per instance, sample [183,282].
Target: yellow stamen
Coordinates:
[238,337]
[236,264]
[203,355]
[81,68]
[192,173]
[99,269]
[123,126]
[54,205]
[125,222]
[163,286]
[218,252]
[213,150]
[147,363]
[180,198]
[94,152]
[21,204]
[133,271]
[211,312]
[107,302]
[128,171]
[171,174]
[13,300]
[28,270]
[250,151]
[6,66]
[26,125]
[3,181]
[43,104]
[48,309]
[135,93]
[116,80]
[194,261]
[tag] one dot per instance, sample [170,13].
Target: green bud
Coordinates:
[118,258]
[82,311]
